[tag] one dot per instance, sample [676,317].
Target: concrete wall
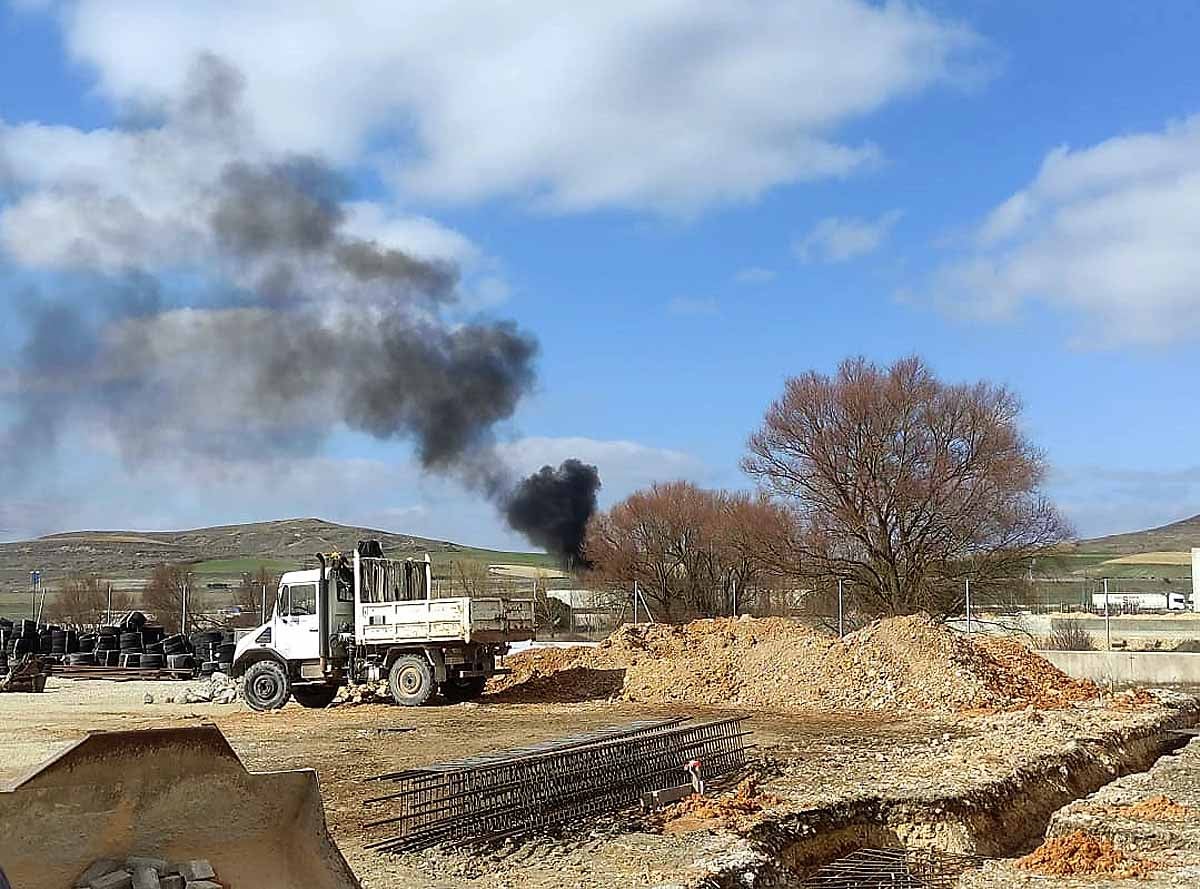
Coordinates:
[1128,667]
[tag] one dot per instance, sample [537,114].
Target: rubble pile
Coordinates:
[1080,854]
[904,662]
[219,688]
[363,693]
[141,872]
[1012,670]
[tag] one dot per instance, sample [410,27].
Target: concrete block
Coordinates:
[133,862]
[173,881]
[145,878]
[203,884]
[118,879]
[196,869]
[97,869]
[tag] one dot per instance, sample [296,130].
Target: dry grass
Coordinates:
[1158,558]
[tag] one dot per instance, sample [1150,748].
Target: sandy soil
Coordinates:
[816,758]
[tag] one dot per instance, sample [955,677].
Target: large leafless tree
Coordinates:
[905,485]
[689,549]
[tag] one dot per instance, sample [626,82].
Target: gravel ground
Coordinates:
[814,759]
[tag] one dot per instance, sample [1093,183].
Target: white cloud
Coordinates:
[664,104]
[1107,233]
[837,239]
[753,275]
[694,306]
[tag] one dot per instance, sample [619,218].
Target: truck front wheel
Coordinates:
[411,680]
[267,686]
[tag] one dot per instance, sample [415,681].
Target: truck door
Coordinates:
[298,633]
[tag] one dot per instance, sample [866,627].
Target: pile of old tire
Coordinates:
[108,652]
[214,651]
[63,643]
[177,653]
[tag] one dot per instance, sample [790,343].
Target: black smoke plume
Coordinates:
[300,326]
[552,508]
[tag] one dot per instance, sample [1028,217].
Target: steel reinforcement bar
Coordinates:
[562,782]
[893,869]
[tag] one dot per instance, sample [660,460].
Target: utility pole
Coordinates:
[108,606]
[262,614]
[187,578]
[968,606]
[735,597]
[635,598]
[34,576]
[841,611]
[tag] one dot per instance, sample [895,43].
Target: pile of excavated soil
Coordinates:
[1080,854]
[905,662]
[738,810]
[1153,808]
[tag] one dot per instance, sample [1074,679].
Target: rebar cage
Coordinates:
[562,782]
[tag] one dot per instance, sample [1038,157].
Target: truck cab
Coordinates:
[366,618]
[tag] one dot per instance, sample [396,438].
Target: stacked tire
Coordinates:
[177,653]
[108,651]
[214,651]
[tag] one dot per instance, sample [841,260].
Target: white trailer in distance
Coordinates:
[1139,601]
[366,618]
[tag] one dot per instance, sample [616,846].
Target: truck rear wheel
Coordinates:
[464,688]
[314,695]
[267,686]
[411,680]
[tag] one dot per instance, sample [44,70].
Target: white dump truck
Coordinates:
[365,618]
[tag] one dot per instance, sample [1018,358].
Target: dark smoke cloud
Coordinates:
[552,508]
[304,327]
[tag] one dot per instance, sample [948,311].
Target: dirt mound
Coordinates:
[737,811]
[1153,808]
[1080,854]
[906,662]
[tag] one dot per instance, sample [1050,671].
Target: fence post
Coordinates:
[841,611]
[1107,623]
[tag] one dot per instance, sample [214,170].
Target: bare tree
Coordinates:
[83,599]
[905,485]
[164,595]
[248,595]
[689,549]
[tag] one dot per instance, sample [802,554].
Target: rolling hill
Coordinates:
[223,550]
[1178,536]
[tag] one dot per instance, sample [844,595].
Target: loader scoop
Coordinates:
[176,794]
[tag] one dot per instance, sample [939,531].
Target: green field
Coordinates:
[244,565]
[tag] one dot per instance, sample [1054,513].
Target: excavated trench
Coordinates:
[995,820]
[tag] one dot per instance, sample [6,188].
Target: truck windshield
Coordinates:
[299,598]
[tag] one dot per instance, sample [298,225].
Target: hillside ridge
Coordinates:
[134,553]
[1176,536]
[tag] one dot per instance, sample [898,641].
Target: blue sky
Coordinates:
[684,203]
